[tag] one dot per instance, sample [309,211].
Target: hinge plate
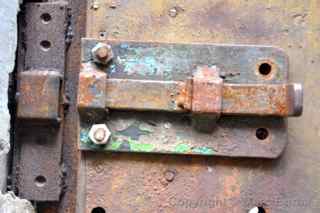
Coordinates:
[39,126]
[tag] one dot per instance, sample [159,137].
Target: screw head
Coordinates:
[99,134]
[102,53]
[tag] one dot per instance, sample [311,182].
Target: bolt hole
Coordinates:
[46,18]
[103,34]
[262,133]
[98,210]
[257,209]
[40,181]
[265,69]
[45,45]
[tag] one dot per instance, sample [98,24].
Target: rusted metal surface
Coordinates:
[171,62]
[174,134]
[125,182]
[206,95]
[191,88]
[71,198]
[91,89]
[39,162]
[262,100]
[178,96]
[37,169]
[178,61]
[98,92]
[45,36]
[146,95]
[39,95]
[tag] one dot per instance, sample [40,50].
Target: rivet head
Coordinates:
[169,175]
[173,12]
[99,134]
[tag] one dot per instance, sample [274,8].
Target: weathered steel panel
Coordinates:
[127,183]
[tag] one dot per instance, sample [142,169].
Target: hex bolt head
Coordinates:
[99,134]
[102,53]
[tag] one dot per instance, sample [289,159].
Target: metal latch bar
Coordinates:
[250,99]
[183,96]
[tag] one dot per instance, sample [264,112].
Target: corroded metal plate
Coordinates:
[155,132]
[39,133]
[126,182]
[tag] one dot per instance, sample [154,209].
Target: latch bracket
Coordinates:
[203,82]
[39,95]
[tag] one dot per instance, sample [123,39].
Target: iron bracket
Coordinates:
[39,126]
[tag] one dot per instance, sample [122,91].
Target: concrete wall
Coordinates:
[8,43]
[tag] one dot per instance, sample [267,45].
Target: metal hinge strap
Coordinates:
[39,107]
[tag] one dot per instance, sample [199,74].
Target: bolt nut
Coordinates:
[99,134]
[102,53]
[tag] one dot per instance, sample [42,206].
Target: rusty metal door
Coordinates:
[252,169]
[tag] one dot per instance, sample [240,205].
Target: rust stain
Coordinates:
[39,92]
[262,99]
[231,184]
[85,82]
[207,91]
[91,89]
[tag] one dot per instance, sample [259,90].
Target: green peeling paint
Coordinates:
[185,148]
[135,146]
[114,145]
[203,150]
[182,148]
[141,147]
